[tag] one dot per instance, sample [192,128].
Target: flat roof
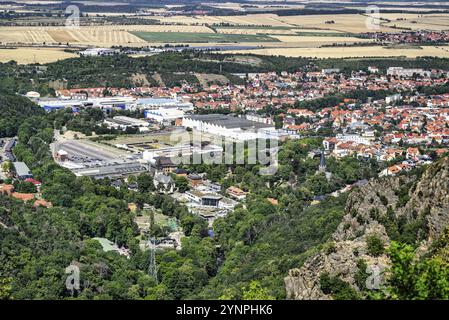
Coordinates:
[229,121]
[205,195]
[161,101]
[112,169]
[21,169]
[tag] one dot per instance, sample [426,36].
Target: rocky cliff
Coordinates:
[412,208]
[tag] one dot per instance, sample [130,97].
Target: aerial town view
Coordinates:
[185,150]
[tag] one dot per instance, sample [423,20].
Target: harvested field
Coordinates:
[353,23]
[251,19]
[62,36]
[188,37]
[22,35]
[104,36]
[31,55]
[292,35]
[348,52]
[100,36]
[417,22]
[256,31]
[320,40]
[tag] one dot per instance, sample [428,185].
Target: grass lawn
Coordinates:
[194,37]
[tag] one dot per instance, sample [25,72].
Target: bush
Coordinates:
[384,200]
[361,275]
[375,246]
[339,289]
[329,247]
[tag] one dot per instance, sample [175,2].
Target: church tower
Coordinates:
[322,166]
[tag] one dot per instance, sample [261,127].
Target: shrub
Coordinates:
[384,200]
[361,275]
[330,247]
[361,219]
[339,289]
[375,246]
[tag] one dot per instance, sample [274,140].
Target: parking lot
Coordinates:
[86,153]
[6,145]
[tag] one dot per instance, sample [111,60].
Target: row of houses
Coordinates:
[35,199]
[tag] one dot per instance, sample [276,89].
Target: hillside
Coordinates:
[13,111]
[397,225]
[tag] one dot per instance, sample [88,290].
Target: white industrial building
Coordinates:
[330,71]
[185,150]
[164,110]
[166,103]
[122,122]
[110,102]
[51,104]
[259,118]
[93,52]
[393,98]
[164,115]
[229,127]
[401,72]
[354,138]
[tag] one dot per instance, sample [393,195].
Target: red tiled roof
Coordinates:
[23,196]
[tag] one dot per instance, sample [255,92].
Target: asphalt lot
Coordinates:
[5,154]
[82,153]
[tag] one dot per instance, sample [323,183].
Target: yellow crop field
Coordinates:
[273,31]
[353,23]
[28,35]
[31,55]
[255,19]
[305,30]
[251,19]
[318,40]
[437,22]
[297,35]
[348,52]
[256,31]
[100,36]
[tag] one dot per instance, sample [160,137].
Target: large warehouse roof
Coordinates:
[112,170]
[228,121]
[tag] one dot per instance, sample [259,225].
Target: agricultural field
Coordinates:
[32,55]
[189,37]
[98,35]
[348,52]
[352,23]
[309,35]
[417,22]
[244,20]
[257,30]
[319,40]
